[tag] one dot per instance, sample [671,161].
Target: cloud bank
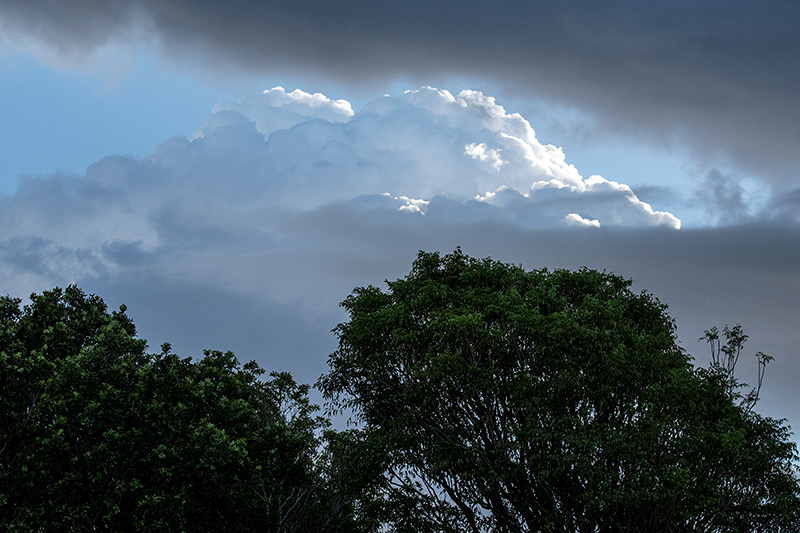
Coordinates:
[254,170]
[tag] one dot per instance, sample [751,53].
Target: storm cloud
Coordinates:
[717,79]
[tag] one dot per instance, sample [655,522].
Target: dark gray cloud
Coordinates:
[286,303]
[786,206]
[719,78]
[723,197]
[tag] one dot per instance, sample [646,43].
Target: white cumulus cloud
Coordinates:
[228,201]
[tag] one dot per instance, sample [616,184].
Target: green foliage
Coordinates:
[496,399]
[97,434]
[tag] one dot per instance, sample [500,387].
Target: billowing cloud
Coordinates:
[242,180]
[422,144]
[693,73]
[241,192]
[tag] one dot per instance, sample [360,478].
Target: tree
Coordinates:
[496,399]
[724,358]
[97,434]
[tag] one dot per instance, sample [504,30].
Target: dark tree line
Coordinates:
[488,398]
[98,435]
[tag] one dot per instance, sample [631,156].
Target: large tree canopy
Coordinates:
[497,399]
[98,435]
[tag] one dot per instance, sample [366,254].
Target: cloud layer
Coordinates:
[718,79]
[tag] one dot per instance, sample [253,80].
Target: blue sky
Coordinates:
[66,119]
[141,158]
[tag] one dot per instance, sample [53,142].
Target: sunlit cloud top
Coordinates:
[423,144]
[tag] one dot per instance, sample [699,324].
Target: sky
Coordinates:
[231,172]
